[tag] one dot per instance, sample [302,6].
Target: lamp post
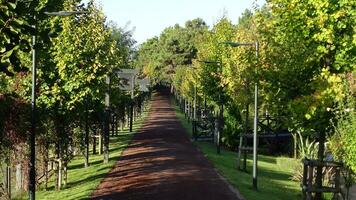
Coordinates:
[132,102]
[255,119]
[106,136]
[195,112]
[130,75]
[32,136]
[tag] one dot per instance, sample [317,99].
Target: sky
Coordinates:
[148,18]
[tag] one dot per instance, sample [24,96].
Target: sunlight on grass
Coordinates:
[273,172]
[82,181]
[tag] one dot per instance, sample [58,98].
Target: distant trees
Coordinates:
[175,47]
[305,70]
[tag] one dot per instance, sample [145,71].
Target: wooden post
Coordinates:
[18,177]
[65,174]
[94,145]
[46,174]
[304,182]
[310,182]
[319,169]
[55,168]
[337,182]
[59,174]
[8,181]
[46,163]
[100,145]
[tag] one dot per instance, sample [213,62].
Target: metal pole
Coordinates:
[195,103]
[132,103]
[255,120]
[220,127]
[195,112]
[107,120]
[32,136]
[86,162]
[254,173]
[32,139]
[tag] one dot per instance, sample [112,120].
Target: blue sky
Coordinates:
[150,17]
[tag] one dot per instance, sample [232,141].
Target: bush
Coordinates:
[306,149]
[343,142]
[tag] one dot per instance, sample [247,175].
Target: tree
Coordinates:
[176,46]
[16,22]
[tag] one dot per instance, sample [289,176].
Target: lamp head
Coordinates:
[237,44]
[65,13]
[233,44]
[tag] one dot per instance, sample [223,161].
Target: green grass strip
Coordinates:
[273,172]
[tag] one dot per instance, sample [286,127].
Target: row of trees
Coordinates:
[75,54]
[305,69]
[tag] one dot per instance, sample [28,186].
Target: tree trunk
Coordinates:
[244,167]
[59,183]
[45,167]
[295,147]
[65,175]
[86,161]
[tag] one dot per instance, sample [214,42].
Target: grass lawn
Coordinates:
[82,181]
[273,172]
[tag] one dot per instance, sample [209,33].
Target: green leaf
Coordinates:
[2,49]
[7,54]
[18,22]
[11,5]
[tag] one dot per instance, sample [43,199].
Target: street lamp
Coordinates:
[65,13]
[254,172]
[32,139]
[130,75]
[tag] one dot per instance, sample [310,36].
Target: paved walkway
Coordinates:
[162,164]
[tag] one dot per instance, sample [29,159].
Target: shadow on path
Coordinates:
[162,164]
